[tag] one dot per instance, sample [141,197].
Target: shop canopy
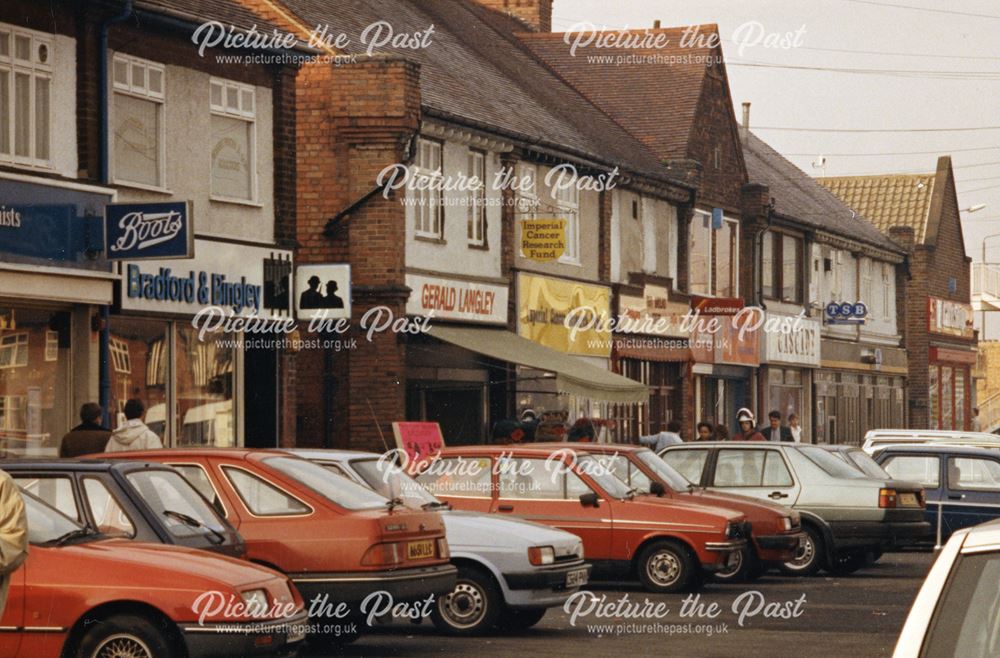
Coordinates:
[573,375]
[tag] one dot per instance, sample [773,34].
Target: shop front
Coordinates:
[723,365]
[951,360]
[200,342]
[790,352]
[53,282]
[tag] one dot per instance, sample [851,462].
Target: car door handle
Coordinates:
[506,508]
[956,496]
[775,495]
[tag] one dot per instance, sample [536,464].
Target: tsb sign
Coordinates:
[137,231]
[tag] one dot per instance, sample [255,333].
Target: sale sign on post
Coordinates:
[419,440]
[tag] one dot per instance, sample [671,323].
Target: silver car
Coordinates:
[510,572]
[845,515]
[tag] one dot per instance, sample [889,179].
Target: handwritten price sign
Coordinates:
[420,440]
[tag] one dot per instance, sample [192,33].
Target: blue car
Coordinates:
[963,481]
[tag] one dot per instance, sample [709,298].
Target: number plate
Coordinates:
[576,578]
[419,550]
[908,500]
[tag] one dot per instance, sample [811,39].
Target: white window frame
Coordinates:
[713,283]
[888,292]
[17,343]
[120,358]
[159,98]
[243,113]
[8,413]
[35,69]
[51,345]
[433,228]
[476,198]
[567,201]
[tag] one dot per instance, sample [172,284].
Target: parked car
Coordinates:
[143,501]
[665,544]
[963,482]
[845,515]
[775,530]
[875,439]
[81,594]
[957,611]
[336,540]
[510,572]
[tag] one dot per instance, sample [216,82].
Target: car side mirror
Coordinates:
[657,489]
[589,499]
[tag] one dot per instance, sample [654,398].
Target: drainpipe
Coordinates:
[105,174]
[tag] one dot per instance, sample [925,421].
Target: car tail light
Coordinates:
[541,555]
[443,552]
[383,555]
[887,498]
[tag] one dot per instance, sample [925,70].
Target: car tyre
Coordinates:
[518,619]
[125,635]
[747,569]
[666,566]
[472,608]
[847,563]
[810,556]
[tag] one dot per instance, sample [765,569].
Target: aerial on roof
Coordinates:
[888,200]
[799,197]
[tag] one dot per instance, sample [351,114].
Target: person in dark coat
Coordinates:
[776,431]
[88,437]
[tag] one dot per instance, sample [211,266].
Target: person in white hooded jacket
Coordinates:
[133,434]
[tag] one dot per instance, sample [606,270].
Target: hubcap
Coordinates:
[663,568]
[464,607]
[122,645]
[733,566]
[805,555]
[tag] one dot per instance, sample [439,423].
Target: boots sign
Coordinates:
[144,231]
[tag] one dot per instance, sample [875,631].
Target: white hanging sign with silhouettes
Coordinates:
[323,291]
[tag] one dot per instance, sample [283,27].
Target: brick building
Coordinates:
[920,213]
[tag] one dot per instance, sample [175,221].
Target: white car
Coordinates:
[957,612]
[510,572]
[875,440]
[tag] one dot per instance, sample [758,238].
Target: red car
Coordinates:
[338,541]
[80,595]
[775,530]
[625,535]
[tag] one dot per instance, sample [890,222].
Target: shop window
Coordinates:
[477,199]
[959,399]
[932,392]
[204,390]
[51,345]
[427,177]
[713,260]
[947,401]
[234,152]
[14,350]
[139,344]
[25,91]
[137,124]
[119,356]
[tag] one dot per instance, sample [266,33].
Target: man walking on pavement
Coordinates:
[776,431]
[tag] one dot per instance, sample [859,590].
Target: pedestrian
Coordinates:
[671,436]
[89,436]
[775,431]
[975,423]
[133,434]
[529,422]
[721,433]
[705,431]
[582,431]
[13,533]
[746,420]
[795,428]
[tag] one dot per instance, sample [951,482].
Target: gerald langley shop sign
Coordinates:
[797,342]
[143,231]
[230,276]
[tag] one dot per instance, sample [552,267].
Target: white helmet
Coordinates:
[744,415]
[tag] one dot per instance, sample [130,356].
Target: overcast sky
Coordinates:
[946,74]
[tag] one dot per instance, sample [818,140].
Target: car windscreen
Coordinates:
[46,524]
[966,620]
[339,490]
[663,470]
[830,464]
[389,481]
[868,466]
[176,503]
[604,478]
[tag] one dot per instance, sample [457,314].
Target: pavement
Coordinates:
[858,616]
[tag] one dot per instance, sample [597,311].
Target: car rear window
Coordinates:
[868,466]
[830,464]
[924,469]
[339,490]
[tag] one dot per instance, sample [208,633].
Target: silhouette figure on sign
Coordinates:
[331,300]
[312,298]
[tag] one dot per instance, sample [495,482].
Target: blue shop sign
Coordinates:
[142,231]
[48,234]
[845,313]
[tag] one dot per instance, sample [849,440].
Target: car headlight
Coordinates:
[788,522]
[578,550]
[730,530]
[256,602]
[541,555]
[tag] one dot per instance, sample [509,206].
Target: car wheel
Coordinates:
[745,568]
[472,608]
[809,557]
[516,619]
[125,636]
[848,563]
[665,566]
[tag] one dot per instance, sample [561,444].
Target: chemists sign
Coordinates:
[143,231]
[229,276]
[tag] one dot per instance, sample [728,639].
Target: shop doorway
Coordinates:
[458,409]
[260,392]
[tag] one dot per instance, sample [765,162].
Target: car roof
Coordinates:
[76,465]
[738,444]
[496,449]
[235,453]
[837,447]
[587,446]
[329,454]
[934,447]
[882,434]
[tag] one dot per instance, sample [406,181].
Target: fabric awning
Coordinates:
[573,376]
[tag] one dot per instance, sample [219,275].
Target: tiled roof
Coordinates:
[653,91]
[799,197]
[889,200]
[476,70]
[228,12]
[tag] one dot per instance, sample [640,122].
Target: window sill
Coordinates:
[429,238]
[478,246]
[38,167]
[573,263]
[145,188]
[236,202]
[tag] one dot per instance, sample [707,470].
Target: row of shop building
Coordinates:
[600,193]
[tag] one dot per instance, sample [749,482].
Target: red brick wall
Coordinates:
[536,14]
[715,126]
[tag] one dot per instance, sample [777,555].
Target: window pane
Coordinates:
[216,94]
[198,478]
[468,477]
[165,491]
[4,43]
[725,261]
[56,491]
[138,77]
[4,112]
[121,72]
[22,114]
[204,390]
[232,98]
[109,516]
[973,473]
[41,118]
[790,256]
[137,140]
[155,81]
[767,266]
[246,101]
[775,471]
[530,478]
[232,158]
[740,468]
[916,469]
[947,421]
[22,47]
[263,498]
[688,463]
[700,253]
[139,358]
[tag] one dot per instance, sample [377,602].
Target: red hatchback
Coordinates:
[338,541]
[666,547]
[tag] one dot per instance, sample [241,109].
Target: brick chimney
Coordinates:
[536,14]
